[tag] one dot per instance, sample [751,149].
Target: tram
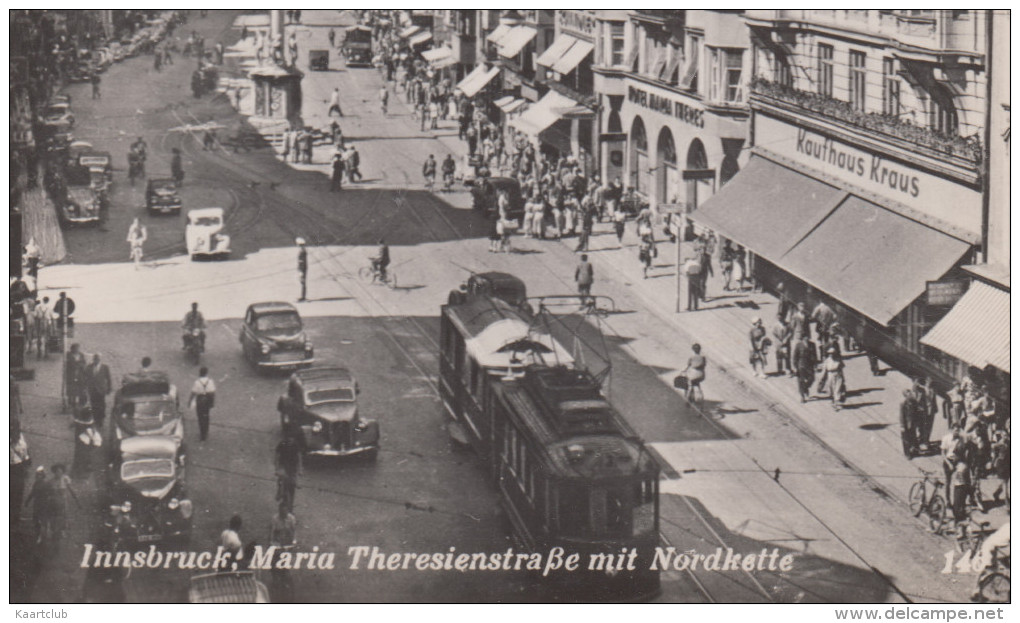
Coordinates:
[357,46]
[570,470]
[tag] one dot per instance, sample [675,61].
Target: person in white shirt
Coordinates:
[203,397]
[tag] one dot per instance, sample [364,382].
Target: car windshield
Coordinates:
[146,468]
[284,321]
[339,394]
[207,220]
[151,413]
[165,191]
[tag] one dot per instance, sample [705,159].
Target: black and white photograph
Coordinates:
[511,306]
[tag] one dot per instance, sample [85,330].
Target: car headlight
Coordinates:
[308,345]
[317,427]
[265,349]
[173,504]
[186,509]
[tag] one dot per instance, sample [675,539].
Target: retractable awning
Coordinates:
[436,54]
[409,31]
[420,38]
[573,57]
[476,80]
[547,111]
[858,252]
[503,101]
[556,50]
[512,44]
[496,36]
[976,329]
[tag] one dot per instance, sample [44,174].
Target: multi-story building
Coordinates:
[673,107]
[865,188]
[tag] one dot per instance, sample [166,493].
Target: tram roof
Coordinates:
[499,336]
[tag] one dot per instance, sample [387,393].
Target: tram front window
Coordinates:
[623,511]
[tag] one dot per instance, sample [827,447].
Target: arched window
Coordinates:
[697,189]
[667,175]
[638,156]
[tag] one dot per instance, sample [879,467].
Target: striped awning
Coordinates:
[976,329]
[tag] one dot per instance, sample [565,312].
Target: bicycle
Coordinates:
[374,275]
[970,535]
[993,582]
[933,505]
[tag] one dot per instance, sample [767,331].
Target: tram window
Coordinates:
[644,507]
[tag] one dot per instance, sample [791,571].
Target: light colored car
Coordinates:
[204,235]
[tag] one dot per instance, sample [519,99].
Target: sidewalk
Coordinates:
[864,434]
[41,223]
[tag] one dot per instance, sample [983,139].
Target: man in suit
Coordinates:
[804,362]
[98,383]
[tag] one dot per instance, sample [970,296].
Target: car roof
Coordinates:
[197,212]
[272,307]
[322,376]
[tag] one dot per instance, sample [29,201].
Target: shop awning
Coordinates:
[436,54]
[544,113]
[476,80]
[976,329]
[446,61]
[556,50]
[503,101]
[420,38]
[410,31]
[514,106]
[573,57]
[512,44]
[858,252]
[496,36]
[252,21]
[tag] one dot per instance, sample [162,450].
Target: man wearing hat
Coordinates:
[804,365]
[302,266]
[759,347]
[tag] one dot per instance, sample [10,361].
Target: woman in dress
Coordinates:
[695,372]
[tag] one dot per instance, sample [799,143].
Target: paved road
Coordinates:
[718,489]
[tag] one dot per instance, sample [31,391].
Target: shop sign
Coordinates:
[576,22]
[944,199]
[666,105]
[946,293]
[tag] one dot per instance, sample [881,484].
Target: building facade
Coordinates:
[866,185]
[673,102]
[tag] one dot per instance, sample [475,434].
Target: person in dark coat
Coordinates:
[804,362]
[338,173]
[176,167]
[98,383]
[75,375]
[908,423]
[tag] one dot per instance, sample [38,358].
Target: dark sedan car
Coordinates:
[273,336]
[321,405]
[485,195]
[146,500]
[161,196]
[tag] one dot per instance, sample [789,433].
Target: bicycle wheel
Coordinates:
[916,498]
[365,273]
[936,514]
[994,588]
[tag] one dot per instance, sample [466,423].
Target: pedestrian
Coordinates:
[587,225]
[283,527]
[74,378]
[823,317]
[157,61]
[495,235]
[176,167]
[706,270]
[21,462]
[230,541]
[799,322]
[42,326]
[332,38]
[952,406]
[384,99]
[302,267]
[338,173]
[203,398]
[63,494]
[287,459]
[928,410]
[209,140]
[137,235]
[783,336]
[584,275]
[959,490]
[42,499]
[97,380]
[433,114]
[645,257]
[95,86]
[804,362]
[334,103]
[695,372]
[786,306]
[759,343]
[88,443]
[308,143]
[619,221]
[908,424]
[832,371]
[952,446]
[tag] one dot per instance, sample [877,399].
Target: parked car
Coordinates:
[147,404]
[485,194]
[203,233]
[82,207]
[161,196]
[504,286]
[321,406]
[272,336]
[146,500]
[57,114]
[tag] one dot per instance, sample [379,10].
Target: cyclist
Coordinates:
[193,320]
[695,372]
[449,168]
[429,171]
[382,260]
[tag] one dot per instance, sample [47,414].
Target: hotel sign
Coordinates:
[936,196]
[666,105]
[578,22]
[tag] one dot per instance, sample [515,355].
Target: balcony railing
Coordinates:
[966,148]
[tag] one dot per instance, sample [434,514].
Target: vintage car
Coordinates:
[147,404]
[272,336]
[82,207]
[504,286]
[57,114]
[321,406]
[203,233]
[146,499]
[161,196]
[227,587]
[485,194]
[357,46]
